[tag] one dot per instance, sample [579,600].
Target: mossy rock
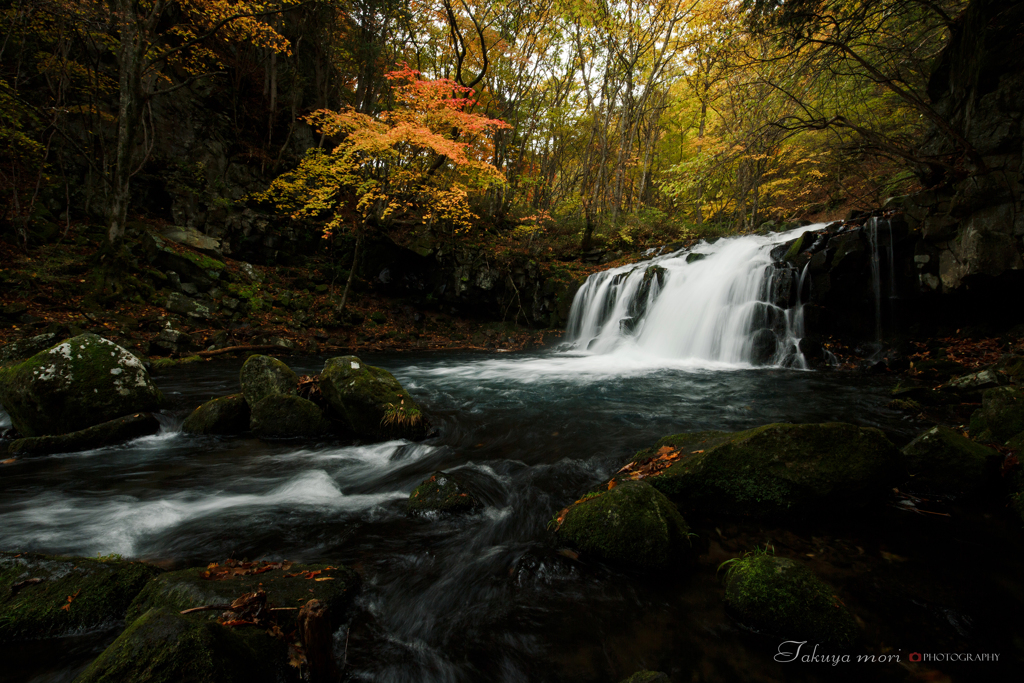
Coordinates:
[263,376]
[945,462]
[76,384]
[224,416]
[780,597]
[102,592]
[284,417]
[777,469]
[1001,415]
[370,401]
[160,366]
[647,677]
[162,646]
[443,492]
[631,524]
[292,587]
[105,434]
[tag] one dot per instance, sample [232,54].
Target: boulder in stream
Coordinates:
[443,492]
[370,401]
[284,416]
[774,469]
[162,644]
[76,384]
[263,376]
[942,461]
[42,596]
[108,433]
[1001,415]
[225,416]
[631,524]
[781,597]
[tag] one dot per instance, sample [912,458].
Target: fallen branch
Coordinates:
[237,349]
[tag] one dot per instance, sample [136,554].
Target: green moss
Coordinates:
[102,589]
[165,647]
[943,461]
[777,596]
[794,249]
[777,469]
[1001,415]
[442,493]
[632,524]
[224,415]
[158,366]
[370,401]
[285,416]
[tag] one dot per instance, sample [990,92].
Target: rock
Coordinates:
[170,341]
[443,492]
[20,350]
[776,469]
[286,416]
[975,381]
[647,677]
[942,461]
[162,646]
[251,272]
[263,376]
[223,416]
[695,256]
[105,434]
[780,597]
[33,609]
[286,586]
[76,384]
[370,401]
[191,237]
[632,524]
[1000,417]
[183,305]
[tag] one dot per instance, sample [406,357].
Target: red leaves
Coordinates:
[663,459]
[232,568]
[71,598]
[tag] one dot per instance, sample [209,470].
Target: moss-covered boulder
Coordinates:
[223,416]
[106,434]
[76,384]
[162,646]
[631,524]
[443,492]
[647,677]
[263,376]
[780,597]
[283,417]
[1001,415]
[942,461]
[42,596]
[370,401]
[286,585]
[776,469]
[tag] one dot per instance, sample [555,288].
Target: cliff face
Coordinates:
[972,221]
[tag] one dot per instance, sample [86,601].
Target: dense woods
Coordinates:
[617,118]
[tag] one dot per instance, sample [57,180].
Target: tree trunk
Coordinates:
[128,116]
[352,272]
[317,641]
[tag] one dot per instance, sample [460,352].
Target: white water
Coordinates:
[716,311]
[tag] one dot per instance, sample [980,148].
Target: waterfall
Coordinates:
[723,303]
[876,272]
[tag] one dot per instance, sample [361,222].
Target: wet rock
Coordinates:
[764,345]
[32,609]
[647,677]
[105,434]
[776,469]
[183,305]
[223,416]
[286,416]
[778,596]
[263,376]
[76,384]
[24,348]
[170,341]
[632,524]
[443,492]
[163,646]
[975,381]
[370,401]
[1001,415]
[942,461]
[695,256]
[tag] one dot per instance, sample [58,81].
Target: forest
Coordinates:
[562,341]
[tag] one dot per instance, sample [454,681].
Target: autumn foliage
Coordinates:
[420,162]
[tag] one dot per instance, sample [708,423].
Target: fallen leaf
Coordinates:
[324,578]
[71,598]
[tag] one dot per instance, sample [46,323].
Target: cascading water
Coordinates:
[722,303]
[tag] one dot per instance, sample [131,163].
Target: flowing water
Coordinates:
[483,597]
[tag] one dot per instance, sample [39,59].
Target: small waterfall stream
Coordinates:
[724,303]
